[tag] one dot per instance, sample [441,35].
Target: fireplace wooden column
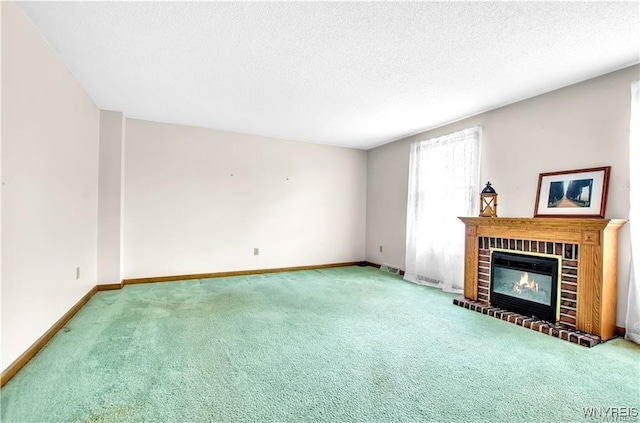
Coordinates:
[597,241]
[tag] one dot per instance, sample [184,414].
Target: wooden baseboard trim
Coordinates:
[620,331]
[234,273]
[109,286]
[21,361]
[42,341]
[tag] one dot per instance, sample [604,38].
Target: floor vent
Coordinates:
[390,269]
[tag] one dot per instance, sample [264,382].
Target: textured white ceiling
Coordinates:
[350,74]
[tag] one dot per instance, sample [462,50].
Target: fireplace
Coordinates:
[526,284]
[586,254]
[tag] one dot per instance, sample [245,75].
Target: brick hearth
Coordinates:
[563,332]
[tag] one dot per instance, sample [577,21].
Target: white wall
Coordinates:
[200,200]
[584,125]
[49,186]
[112,126]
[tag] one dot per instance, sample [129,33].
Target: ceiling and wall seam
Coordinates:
[356,75]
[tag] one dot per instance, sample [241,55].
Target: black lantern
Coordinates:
[488,202]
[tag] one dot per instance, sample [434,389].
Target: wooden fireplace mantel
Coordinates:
[597,241]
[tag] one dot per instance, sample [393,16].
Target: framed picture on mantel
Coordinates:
[573,193]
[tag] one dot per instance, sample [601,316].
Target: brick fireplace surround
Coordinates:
[588,248]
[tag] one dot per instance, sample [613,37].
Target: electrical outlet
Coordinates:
[256,251]
[77,273]
[381,248]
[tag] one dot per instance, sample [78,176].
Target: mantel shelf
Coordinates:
[544,222]
[543,228]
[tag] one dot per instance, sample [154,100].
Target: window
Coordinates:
[444,180]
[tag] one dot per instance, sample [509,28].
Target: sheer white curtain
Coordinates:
[632,323]
[444,180]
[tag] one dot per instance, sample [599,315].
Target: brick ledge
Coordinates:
[566,334]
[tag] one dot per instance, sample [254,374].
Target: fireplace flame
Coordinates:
[524,284]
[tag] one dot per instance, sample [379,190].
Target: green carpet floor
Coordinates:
[338,345]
